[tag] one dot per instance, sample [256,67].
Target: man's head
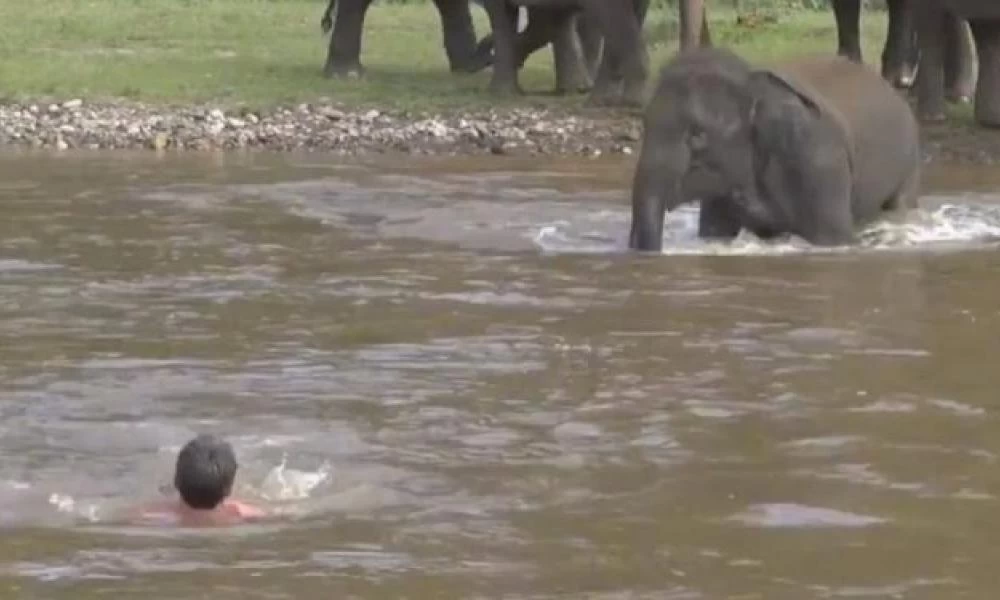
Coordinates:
[206,468]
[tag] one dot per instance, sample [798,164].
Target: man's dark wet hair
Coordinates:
[206,468]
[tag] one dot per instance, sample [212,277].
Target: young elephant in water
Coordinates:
[815,147]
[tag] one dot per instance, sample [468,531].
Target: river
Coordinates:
[447,379]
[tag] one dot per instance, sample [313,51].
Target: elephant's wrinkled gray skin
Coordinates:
[933,17]
[814,148]
[624,50]
[344,55]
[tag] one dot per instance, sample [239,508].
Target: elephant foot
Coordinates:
[903,82]
[575,83]
[901,78]
[959,93]
[613,101]
[987,112]
[474,64]
[960,70]
[929,117]
[850,54]
[633,92]
[602,100]
[481,58]
[627,91]
[899,65]
[957,97]
[505,87]
[335,70]
[571,90]
[475,60]
[605,94]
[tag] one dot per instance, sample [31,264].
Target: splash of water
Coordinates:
[282,483]
[949,226]
[64,503]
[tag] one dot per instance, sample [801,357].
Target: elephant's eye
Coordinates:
[697,140]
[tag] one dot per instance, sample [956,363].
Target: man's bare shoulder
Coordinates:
[245,510]
[175,512]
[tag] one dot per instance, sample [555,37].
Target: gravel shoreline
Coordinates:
[319,127]
[73,123]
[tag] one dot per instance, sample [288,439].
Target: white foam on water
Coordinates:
[66,504]
[282,483]
[948,226]
[790,514]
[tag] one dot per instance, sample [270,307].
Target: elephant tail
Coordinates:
[326,23]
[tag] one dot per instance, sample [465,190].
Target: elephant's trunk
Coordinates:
[656,189]
[648,211]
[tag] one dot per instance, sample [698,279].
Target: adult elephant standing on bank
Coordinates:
[933,17]
[344,55]
[813,148]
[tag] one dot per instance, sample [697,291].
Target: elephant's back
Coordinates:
[878,123]
[855,93]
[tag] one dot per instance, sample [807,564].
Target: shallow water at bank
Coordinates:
[449,379]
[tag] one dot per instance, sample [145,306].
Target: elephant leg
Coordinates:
[344,55]
[987,103]
[640,7]
[591,41]
[540,31]
[607,84]
[693,23]
[624,53]
[719,219]
[459,35]
[906,197]
[571,72]
[635,62]
[558,27]
[544,26]
[898,60]
[326,21]
[503,18]
[929,16]
[484,53]
[959,60]
[848,16]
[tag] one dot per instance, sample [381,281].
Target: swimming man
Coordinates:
[204,475]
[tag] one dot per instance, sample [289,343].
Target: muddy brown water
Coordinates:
[447,380]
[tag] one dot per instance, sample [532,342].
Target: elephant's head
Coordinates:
[697,143]
[720,137]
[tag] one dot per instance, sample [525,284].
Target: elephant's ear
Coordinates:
[786,111]
[768,86]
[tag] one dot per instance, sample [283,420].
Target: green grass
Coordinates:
[264,52]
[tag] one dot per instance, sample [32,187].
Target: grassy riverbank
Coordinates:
[262,52]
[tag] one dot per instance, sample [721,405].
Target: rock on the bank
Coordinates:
[77,124]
